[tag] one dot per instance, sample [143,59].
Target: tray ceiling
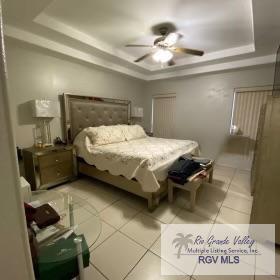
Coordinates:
[97,31]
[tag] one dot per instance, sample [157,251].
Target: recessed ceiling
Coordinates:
[224,29]
[207,25]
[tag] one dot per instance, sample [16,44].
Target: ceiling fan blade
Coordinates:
[143,57]
[188,51]
[171,62]
[138,46]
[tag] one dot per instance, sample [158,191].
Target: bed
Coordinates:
[138,165]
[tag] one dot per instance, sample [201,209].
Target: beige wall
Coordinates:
[37,73]
[203,105]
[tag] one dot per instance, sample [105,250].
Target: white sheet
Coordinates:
[147,159]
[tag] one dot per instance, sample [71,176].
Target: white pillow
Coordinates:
[103,135]
[133,132]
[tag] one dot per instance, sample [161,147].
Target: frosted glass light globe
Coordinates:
[163,56]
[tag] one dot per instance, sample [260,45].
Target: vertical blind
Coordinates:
[164,116]
[246,111]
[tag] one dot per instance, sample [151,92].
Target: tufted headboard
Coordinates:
[84,111]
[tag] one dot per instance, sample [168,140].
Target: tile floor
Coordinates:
[129,243]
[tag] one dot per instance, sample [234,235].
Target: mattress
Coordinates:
[146,159]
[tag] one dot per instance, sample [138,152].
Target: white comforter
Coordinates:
[146,159]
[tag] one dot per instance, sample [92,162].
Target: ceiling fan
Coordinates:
[164,46]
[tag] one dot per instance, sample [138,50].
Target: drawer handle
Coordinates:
[57,160]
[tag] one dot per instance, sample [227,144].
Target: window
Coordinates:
[163,115]
[246,111]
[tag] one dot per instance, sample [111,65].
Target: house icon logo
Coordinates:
[182,242]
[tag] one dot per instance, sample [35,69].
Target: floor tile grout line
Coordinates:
[241,195]
[239,212]
[100,271]
[135,265]
[119,231]
[104,239]
[108,205]
[86,200]
[129,220]
[167,225]
[234,173]
[129,237]
[170,264]
[150,216]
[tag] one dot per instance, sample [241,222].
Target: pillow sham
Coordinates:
[133,132]
[103,135]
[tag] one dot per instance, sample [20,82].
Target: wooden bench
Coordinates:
[190,186]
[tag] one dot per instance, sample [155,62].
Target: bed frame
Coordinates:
[80,112]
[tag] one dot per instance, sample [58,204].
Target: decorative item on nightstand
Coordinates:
[137,115]
[149,133]
[49,166]
[44,111]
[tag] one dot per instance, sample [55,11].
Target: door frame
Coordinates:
[15,254]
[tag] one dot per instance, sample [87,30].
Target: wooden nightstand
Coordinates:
[47,167]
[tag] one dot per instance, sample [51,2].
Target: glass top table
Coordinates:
[73,235]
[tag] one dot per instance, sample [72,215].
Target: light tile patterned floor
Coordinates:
[129,244]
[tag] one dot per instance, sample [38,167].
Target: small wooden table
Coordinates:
[191,186]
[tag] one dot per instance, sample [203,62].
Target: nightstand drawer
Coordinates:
[54,158]
[53,173]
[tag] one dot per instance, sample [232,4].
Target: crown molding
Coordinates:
[40,41]
[37,40]
[56,25]
[244,63]
[211,56]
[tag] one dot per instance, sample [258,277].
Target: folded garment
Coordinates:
[201,160]
[182,169]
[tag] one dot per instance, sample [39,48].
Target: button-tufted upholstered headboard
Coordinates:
[85,111]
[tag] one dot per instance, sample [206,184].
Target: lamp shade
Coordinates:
[137,112]
[45,109]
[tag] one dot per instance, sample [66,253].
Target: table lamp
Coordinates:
[137,114]
[44,111]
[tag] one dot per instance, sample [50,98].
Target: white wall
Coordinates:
[204,103]
[15,260]
[37,73]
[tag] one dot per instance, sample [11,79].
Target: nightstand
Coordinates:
[47,167]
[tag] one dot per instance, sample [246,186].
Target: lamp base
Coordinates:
[45,145]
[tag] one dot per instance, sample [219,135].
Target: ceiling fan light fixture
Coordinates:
[171,39]
[162,56]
